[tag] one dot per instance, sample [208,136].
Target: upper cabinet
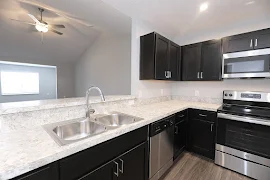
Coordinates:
[202,61]
[159,58]
[248,41]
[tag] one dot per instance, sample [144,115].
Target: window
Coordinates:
[17,83]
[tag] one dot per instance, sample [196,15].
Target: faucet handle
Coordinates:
[90,111]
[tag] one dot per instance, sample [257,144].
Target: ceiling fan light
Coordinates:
[41,28]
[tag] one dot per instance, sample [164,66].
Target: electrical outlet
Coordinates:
[162,92]
[197,93]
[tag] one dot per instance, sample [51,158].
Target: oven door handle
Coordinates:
[244,119]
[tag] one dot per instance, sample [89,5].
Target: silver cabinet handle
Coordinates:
[181,115]
[203,115]
[170,74]
[251,43]
[256,42]
[201,75]
[166,74]
[198,75]
[122,166]
[211,127]
[176,130]
[117,169]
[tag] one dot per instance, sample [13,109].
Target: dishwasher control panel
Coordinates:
[161,125]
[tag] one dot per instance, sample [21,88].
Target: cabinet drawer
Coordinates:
[203,115]
[181,116]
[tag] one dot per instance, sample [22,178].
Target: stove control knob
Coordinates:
[230,95]
[226,94]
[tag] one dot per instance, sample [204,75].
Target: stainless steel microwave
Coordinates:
[246,64]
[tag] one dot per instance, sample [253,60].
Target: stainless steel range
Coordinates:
[243,133]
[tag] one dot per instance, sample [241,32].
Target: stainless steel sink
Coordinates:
[116,119]
[71,131]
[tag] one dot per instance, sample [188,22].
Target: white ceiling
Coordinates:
[183,18]
[22,40]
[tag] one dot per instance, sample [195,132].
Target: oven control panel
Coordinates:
[246,96]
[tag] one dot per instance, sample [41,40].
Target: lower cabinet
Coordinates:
[180,133]
[134,164]
[130,166]
[202,132]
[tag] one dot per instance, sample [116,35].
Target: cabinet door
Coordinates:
[106,172]
[242,42]
[44,173]
[191,62]
[133,165]
[162,57]
[174,61]
[211,60]
[201,137]
[180,137]
[262,39]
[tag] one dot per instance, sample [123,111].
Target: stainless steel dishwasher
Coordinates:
[161,147]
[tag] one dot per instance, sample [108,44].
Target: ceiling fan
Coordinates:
[41,25]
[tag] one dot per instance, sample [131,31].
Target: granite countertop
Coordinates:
[26,150]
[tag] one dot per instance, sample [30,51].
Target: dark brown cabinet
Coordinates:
[130,166]
[162,57]
[262,39]
[201,138]
[159,58]
[247,41]
[133,164]
[211,61]
[191,62]
[202,61]
[180,133]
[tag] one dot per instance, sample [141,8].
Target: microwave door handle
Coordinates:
[244,119]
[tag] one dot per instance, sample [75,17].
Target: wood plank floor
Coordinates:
[195,167]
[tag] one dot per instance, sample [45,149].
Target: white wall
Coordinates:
[106,64]
[145,88]
[215,89]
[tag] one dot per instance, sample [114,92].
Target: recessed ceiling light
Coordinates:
[203,6]
[250,2]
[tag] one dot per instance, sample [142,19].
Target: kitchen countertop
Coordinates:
[25,150]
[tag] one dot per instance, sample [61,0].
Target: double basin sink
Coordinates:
[67,132]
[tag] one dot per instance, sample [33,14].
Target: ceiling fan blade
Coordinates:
[57,32]
[34,18]
[23,22]
[57,26]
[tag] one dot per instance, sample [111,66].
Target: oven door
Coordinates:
[246,134]
[246,64]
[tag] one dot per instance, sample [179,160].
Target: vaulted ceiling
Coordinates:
[22,40]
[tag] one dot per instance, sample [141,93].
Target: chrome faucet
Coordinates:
[90,110]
